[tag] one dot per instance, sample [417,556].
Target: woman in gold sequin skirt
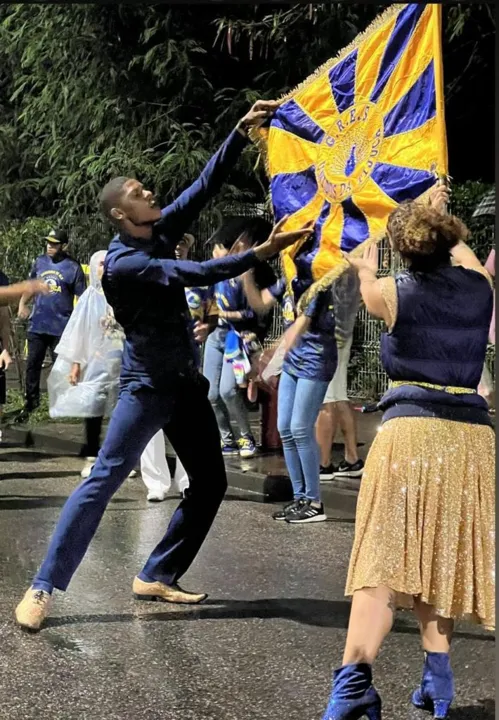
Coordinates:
[425,524]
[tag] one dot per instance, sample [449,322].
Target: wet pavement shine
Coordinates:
[261,648]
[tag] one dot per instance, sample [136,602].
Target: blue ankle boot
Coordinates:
[353,695]
[437,686]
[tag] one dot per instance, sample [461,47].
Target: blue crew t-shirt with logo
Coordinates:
[315,355]
[66,281]
[283,295]
[230,297]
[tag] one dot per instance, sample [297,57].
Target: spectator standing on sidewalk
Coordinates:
[336,409]
[200,300]
[234,314]
[309,363]
[50,313]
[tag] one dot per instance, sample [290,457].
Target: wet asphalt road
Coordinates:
[261,648]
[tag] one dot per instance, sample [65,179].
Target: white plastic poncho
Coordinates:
[93,339]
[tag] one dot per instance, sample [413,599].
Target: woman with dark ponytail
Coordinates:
[425,525]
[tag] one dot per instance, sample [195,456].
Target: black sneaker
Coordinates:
[306,513]
[327,473]
[349,470]
[22,417]
[283,513]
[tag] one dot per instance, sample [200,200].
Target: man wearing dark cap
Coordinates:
[50,313]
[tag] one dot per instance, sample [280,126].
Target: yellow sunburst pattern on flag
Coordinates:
[364,133]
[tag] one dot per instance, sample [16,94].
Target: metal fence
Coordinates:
[366,378]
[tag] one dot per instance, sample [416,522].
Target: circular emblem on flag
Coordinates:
[348,151]
[362,134]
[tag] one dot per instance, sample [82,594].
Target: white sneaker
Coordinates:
[87,468]
[156,496]
[90,462]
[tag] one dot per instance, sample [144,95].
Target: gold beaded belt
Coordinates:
[444,388]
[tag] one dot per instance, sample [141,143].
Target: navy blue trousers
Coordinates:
[38,344]
[187,418]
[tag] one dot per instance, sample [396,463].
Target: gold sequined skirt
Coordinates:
[425,524]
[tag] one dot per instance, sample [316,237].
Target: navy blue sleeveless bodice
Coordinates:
[439,338]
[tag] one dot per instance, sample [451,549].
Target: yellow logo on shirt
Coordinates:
[52,278]
[288,310]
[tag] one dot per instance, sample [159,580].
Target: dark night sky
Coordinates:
[470,110]
[469,75]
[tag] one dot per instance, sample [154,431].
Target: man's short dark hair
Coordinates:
[110,196]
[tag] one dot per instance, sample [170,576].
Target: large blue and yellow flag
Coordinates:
[362,134]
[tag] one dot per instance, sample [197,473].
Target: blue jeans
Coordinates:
[298,406]
[138,416]
[224,395]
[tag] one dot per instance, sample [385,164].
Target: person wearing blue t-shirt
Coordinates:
[50,313]
[237,337]
[200,301]
[309,366]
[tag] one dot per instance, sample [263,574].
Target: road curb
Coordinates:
[31,438]
[259,487]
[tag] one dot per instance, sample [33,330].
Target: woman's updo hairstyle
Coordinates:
[424,236]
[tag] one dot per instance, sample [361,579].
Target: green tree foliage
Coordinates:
[88,91]
[300,37]
[465,199]
[20,244]
[91,91]
[286,45]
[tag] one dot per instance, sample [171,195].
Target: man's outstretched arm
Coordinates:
[187,273]
[178,216]
[140,267]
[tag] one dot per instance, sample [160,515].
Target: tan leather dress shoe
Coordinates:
[33,609]
[165,593]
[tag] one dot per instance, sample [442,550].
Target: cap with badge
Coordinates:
[57,237]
